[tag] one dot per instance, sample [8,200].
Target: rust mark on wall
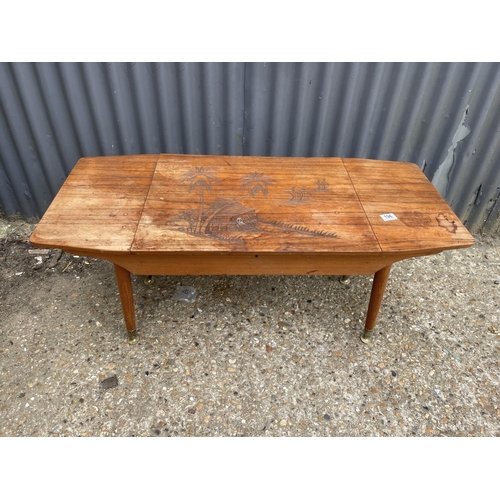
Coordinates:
[442,176]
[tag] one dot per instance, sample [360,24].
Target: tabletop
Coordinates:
[200,203]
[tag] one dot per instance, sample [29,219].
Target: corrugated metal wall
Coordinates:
[442,116]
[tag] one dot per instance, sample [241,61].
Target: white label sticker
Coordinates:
[387,217]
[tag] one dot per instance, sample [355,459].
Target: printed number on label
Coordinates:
[387,217]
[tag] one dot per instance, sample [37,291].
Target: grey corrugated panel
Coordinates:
[475,176]
[202,111]
[52,114]
[23,150]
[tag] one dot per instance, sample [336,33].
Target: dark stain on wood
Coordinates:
[449,225]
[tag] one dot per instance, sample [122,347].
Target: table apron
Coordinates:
[253,263]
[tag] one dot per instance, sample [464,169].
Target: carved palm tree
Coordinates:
[201,178]
[256,182]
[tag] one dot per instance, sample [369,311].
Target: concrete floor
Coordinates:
[252,356]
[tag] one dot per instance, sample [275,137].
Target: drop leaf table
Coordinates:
[239,215]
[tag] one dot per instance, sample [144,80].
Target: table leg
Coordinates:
[378,287]
[127,299]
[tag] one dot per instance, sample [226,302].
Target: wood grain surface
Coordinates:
[99,205]
[248,204]
[168,204]
[424,219]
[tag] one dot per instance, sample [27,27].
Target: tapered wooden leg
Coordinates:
[127,299]
[378,287]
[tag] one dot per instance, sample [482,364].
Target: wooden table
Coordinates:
[193,215]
